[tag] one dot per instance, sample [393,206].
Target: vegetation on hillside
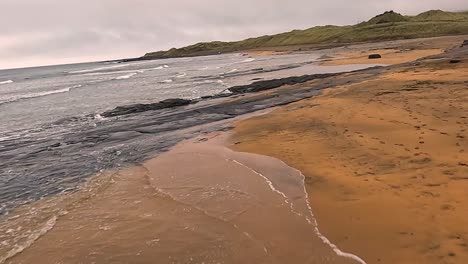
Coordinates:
[387,26]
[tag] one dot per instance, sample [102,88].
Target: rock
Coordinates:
[138,108]
[455,61]
[465,43]
[259,86]
[375,56]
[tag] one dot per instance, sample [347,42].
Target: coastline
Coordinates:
[292,96]
[231,207]
[384,160]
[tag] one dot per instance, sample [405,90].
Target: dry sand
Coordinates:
[386,161]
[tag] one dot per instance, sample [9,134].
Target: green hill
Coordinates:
[439,15]
[387,26]
[387,17]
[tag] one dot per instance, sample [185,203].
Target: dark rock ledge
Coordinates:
[138,108]
[257,86]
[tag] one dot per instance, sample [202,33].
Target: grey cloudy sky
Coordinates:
[42,32]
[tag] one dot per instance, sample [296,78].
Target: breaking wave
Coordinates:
[128,76]
[248,60]
[99,69]
[6,82]
[14,98]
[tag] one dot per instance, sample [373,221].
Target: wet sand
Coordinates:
[385,161]
[219,207]
[389,56]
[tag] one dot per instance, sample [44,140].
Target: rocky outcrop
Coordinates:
[138,108]
[375,56]
[275,83]
[235,90]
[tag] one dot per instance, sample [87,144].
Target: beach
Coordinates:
[385,161]
[365,166]
[222,210]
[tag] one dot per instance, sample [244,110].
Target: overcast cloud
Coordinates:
[42,32]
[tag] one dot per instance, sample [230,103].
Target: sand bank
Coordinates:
[389,56]
[385,161]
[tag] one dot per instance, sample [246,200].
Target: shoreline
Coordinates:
[301,48]
[157,191]
[383,160]
[290,99]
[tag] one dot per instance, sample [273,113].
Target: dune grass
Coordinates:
[387,26]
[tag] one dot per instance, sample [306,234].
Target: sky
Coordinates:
[46,32]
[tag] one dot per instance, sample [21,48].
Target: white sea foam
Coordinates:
[314,222]
[30,240]
[15,98]
[156,68]
[99,117]
[270,183]
[99,69]
[8,138]
[6,82]
[127,76]
[223,84]
[311,220]
[248,60]
[110,73]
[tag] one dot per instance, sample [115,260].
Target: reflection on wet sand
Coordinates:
[219,207]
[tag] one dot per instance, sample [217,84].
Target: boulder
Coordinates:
[455,61]
[375,56]
[465,43]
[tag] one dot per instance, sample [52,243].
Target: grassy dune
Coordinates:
[387,26]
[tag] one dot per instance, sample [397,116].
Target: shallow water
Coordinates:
[37,96]
[220,207]
[52,136]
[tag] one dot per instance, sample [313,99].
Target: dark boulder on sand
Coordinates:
[465,43]
[138,108]
[455,61]
[375,56]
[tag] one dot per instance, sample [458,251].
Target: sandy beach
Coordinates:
[385,161]
[231,132]
[362,167]
[389,56]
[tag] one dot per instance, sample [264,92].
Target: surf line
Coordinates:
[324,239]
